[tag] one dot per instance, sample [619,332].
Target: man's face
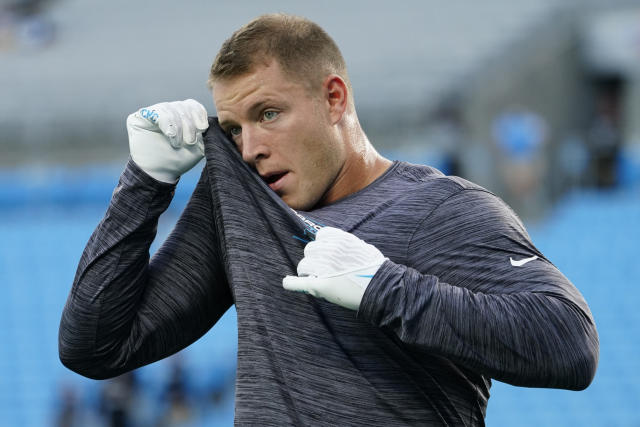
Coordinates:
[284,131]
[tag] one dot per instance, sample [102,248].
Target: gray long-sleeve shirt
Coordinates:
[464,297]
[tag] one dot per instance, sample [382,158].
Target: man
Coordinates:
[417,289]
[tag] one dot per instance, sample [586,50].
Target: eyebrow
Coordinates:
[259,105]
[224,124]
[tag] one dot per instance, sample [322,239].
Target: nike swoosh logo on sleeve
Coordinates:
[521,262]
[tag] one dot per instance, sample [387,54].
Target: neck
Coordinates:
[362,166]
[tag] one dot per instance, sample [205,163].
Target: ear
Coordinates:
[336,96]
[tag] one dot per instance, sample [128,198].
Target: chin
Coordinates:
[294,205]
[297,204]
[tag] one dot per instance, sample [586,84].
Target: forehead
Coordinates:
[265,80]
[233,89]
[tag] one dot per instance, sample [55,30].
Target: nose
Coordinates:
[254,147]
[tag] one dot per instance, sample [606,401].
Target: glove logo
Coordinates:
[150,115]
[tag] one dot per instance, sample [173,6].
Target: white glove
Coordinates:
[337,266]
[165,140]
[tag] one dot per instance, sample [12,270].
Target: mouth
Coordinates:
[275,180]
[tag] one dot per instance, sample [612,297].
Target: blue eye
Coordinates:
[235,131]
[269,115]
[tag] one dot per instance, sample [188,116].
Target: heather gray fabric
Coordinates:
[446,313]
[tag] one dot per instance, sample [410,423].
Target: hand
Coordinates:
[337,266]
[165,140]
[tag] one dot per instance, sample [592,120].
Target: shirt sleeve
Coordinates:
[479,293]
[124,310]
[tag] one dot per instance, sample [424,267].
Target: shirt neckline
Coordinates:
[394,165]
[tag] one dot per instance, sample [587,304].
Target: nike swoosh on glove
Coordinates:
[337,266]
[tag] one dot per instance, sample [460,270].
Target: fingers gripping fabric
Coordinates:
[336,252]
[337,266]
[165,139]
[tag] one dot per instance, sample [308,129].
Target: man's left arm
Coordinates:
[480,294]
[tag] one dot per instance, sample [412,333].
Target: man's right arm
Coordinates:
[125,311]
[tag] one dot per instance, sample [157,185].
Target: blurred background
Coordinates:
[537,100]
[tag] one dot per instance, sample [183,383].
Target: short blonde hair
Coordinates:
[302,48]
